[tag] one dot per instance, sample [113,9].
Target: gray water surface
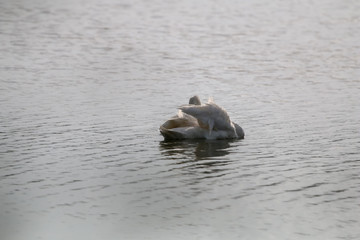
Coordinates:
[84,86]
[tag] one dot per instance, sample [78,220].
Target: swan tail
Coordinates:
[210,99]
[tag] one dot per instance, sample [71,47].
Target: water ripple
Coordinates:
[85,86]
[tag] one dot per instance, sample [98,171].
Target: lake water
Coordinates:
[85,86]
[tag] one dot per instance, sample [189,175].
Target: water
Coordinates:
[86,84]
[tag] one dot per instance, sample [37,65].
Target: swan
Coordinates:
[196,121]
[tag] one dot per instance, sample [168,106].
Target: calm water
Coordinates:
[85,85]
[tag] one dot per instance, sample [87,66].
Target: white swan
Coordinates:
[196,120]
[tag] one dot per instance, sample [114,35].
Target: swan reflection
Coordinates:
[201,149]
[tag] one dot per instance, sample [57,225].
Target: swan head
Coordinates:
[239,131]
[195,100]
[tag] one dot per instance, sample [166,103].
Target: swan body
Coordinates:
[196,121]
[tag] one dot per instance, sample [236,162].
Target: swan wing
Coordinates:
[210,116]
